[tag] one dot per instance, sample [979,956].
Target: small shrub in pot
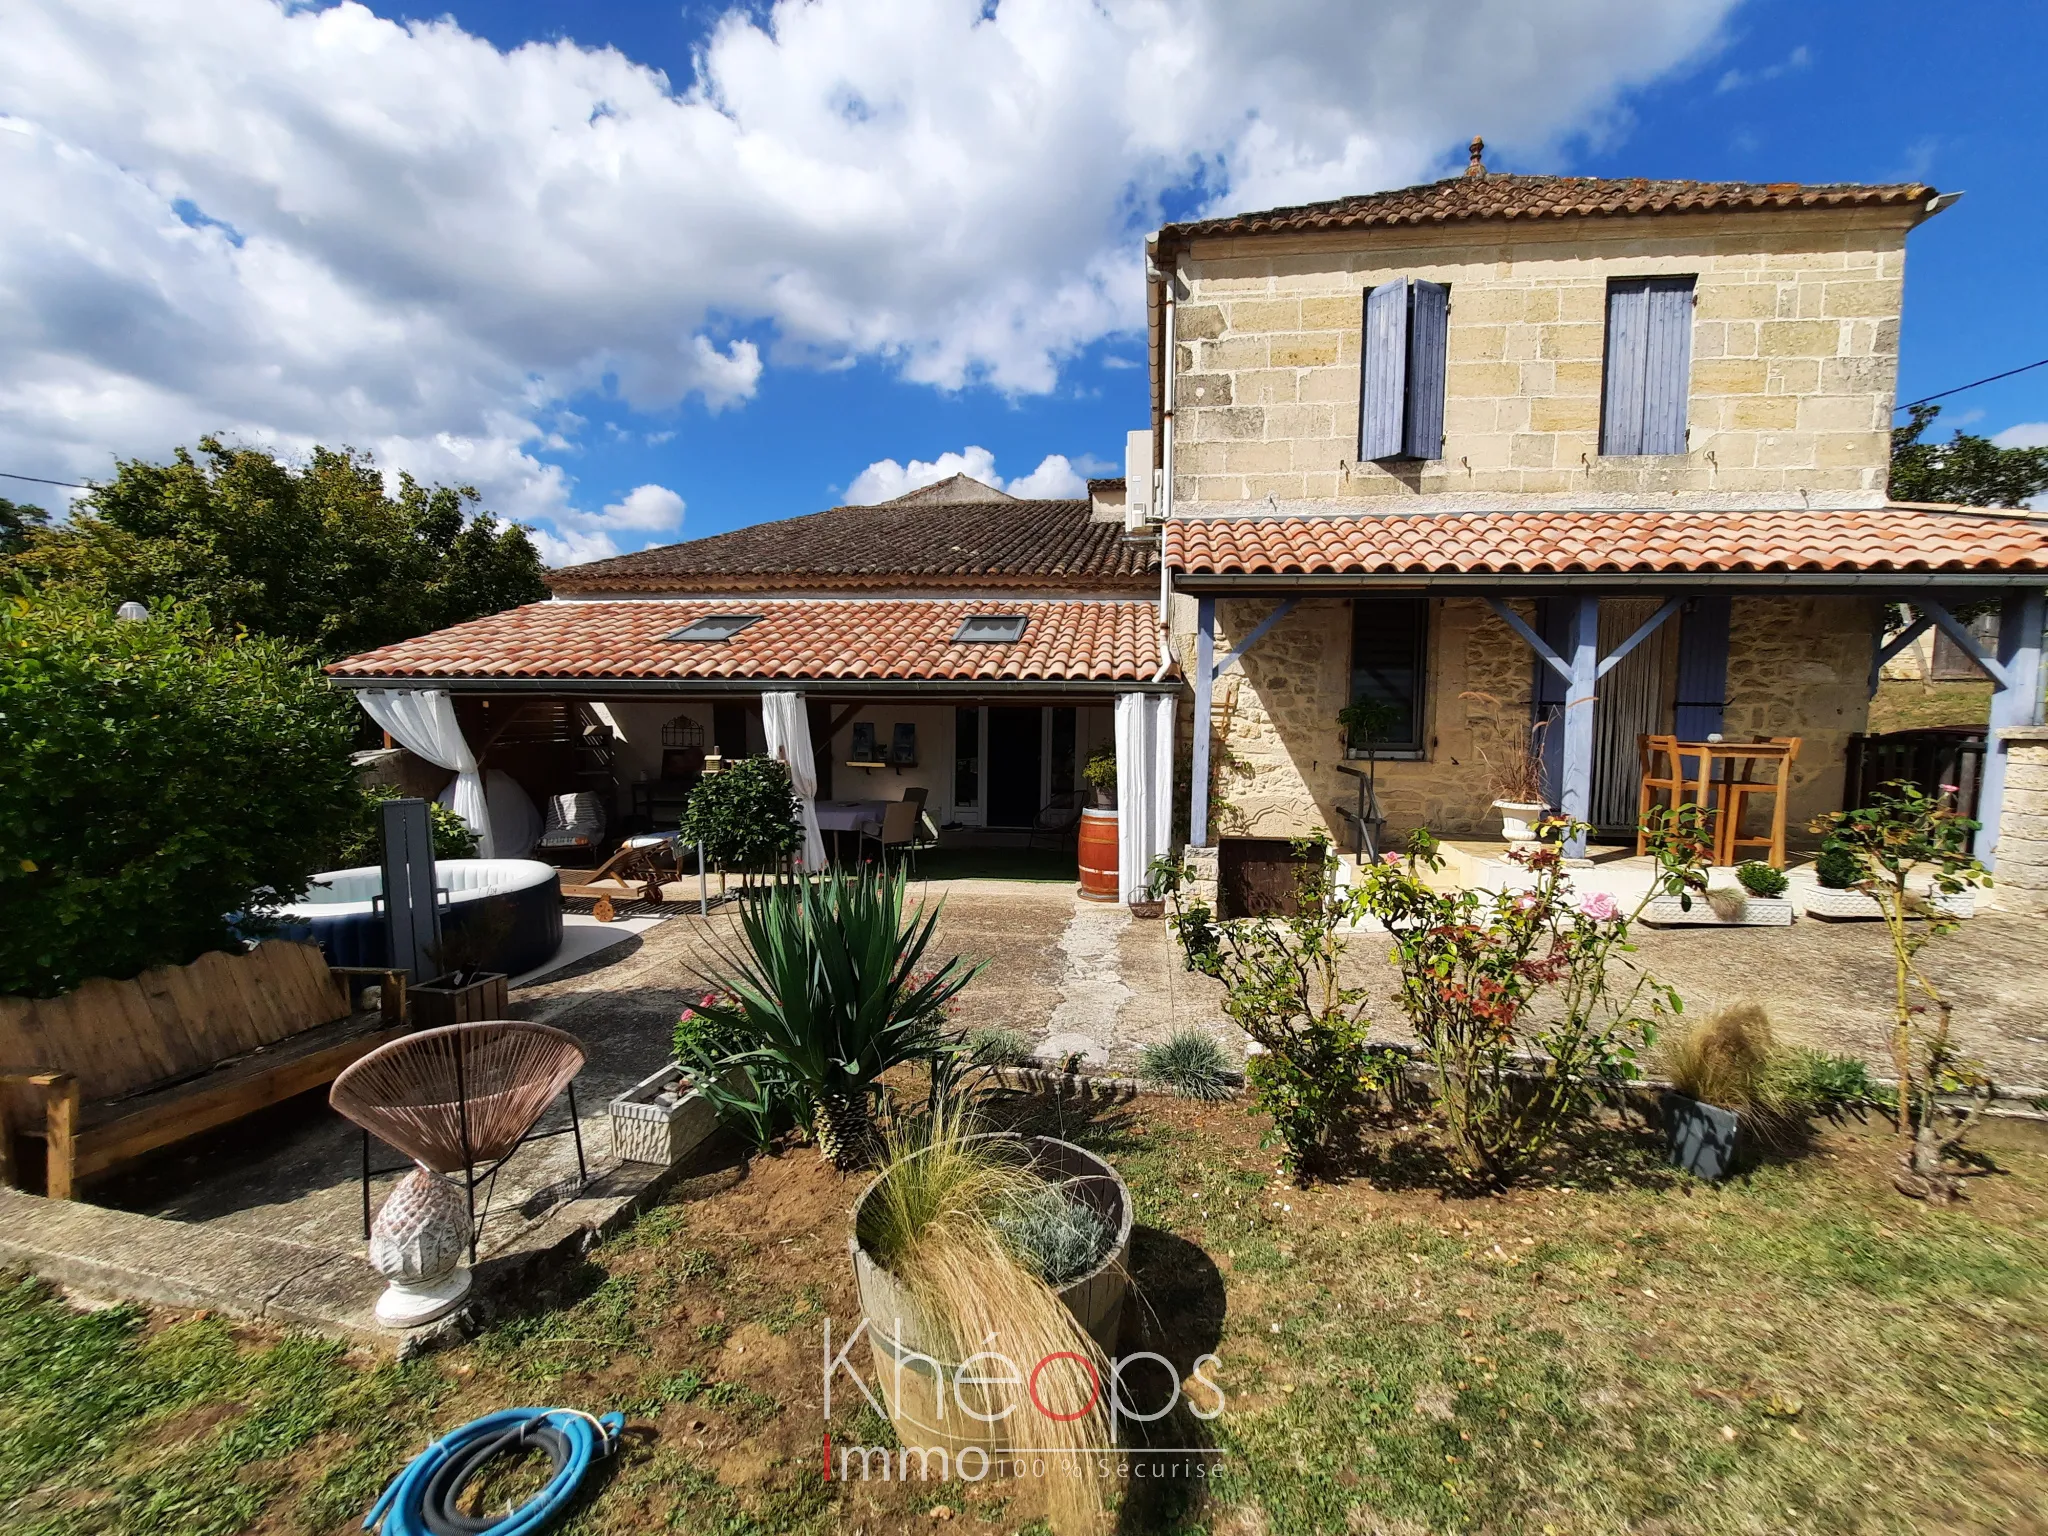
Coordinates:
[1761,879]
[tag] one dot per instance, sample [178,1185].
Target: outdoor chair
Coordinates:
[1663,774]
[574,821]
[1740,786]
[927,835]
[898,830]
[465,1096]
[1056,823]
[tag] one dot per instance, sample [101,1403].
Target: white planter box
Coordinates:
[1839,905]
[647,1129]
[1757,912]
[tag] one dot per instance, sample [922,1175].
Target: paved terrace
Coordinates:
[273,1206]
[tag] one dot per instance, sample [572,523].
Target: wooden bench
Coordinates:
[120,1068]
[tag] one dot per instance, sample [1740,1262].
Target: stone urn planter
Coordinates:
[664,1117]
[1703,1139]
[1096,1299]
[1518,819]
[1752,912]
[1838,905]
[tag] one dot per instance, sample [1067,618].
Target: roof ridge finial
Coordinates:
[1477,165]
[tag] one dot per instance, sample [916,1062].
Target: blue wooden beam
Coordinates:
[2015,701]
[1259,633]
[1965,641]
[1520,626]
[1583,646]
[1886,651]
[1205,683]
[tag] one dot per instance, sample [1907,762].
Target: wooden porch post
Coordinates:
[2015,701]
[1583,653]
[1205,683]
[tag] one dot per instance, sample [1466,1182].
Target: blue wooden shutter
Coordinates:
[1546,701]
[1429,314]
[1702,667]
[1667,364]
[1621,406]
[1383,372]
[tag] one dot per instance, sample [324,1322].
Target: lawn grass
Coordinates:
[1613,1349]
[1904,704]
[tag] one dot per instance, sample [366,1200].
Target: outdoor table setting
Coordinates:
[855,816]
[1725,790]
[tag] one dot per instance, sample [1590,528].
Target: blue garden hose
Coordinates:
[422,1500]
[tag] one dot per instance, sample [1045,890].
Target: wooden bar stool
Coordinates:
[1741,784]
[1663,773]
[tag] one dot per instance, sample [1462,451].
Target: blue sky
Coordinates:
[353,233]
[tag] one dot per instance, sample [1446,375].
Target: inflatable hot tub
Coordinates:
[343,912]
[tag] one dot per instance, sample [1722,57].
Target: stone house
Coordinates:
[1611,455]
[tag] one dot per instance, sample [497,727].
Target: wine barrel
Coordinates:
[1098,856]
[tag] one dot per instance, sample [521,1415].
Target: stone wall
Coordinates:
[1794,356]
[1797,667]
[2022,878]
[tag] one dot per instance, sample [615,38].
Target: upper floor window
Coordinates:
[1649,365]
[1389,663]
[1401,379]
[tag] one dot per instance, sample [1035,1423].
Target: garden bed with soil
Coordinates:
[1607,1348]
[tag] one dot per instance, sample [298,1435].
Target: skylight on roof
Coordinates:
[716,626]
[991,629]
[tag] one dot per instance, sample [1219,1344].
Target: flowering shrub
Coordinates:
[1905,831]
[1510,994]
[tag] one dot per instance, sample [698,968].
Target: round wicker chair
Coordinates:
[460,1097]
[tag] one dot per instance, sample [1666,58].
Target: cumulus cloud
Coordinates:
[639,516]
[2025,434]
[307,223]
[1056,476]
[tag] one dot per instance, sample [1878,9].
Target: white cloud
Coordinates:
[647,514]
[885,479]
[1736,79]
[302,223]
[1055,477]
[2025,434]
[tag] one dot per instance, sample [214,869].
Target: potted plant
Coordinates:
[466,992]
[1756,900]
[745,816]
[1100,772]
[665,1116]
[1517,776]
[1842,889]
[992,1271]
[824,995]
[1734,1091]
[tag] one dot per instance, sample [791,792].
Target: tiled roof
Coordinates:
[1497,196]
[795,638]
[1898,537]
[910,542]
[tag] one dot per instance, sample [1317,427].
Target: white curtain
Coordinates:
[787,725]
[515,819]
[422,720]
[1144,786]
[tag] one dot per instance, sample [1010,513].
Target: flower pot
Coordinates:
[1153,909]
[1757,912]
[662,1119]
[900,1338]
[1838,905]
[439,1002]
[1703,1139]
[1518,819]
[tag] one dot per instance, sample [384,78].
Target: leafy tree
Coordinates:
[17,521]
[160,778]
[318,555]
[363,841]
[1967,470]
[745,816]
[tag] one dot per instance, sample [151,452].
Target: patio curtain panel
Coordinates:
[423,722]
[787,726]
[1144,787]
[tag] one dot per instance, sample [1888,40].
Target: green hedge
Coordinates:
[159,779]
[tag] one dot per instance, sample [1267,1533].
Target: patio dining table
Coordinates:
[856,816]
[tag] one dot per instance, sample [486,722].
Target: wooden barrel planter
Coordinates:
[1099,856]
[1096,1299]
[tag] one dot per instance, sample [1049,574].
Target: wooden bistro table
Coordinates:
[1733,788]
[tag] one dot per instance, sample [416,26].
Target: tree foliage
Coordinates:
[1966,470]
[745,816]
[318,555]
[159,779]
[17,522]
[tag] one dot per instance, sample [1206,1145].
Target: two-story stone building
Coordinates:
[1608,453]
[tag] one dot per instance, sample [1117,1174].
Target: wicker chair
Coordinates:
[465,1096]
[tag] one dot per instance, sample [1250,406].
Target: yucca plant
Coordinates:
[826,987]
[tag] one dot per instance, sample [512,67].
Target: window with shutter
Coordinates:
[1401,377]
[1389,663]
[1649,365]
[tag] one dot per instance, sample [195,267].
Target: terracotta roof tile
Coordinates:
[910,542]
[1498,196]
[1899,537]
[795,639]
